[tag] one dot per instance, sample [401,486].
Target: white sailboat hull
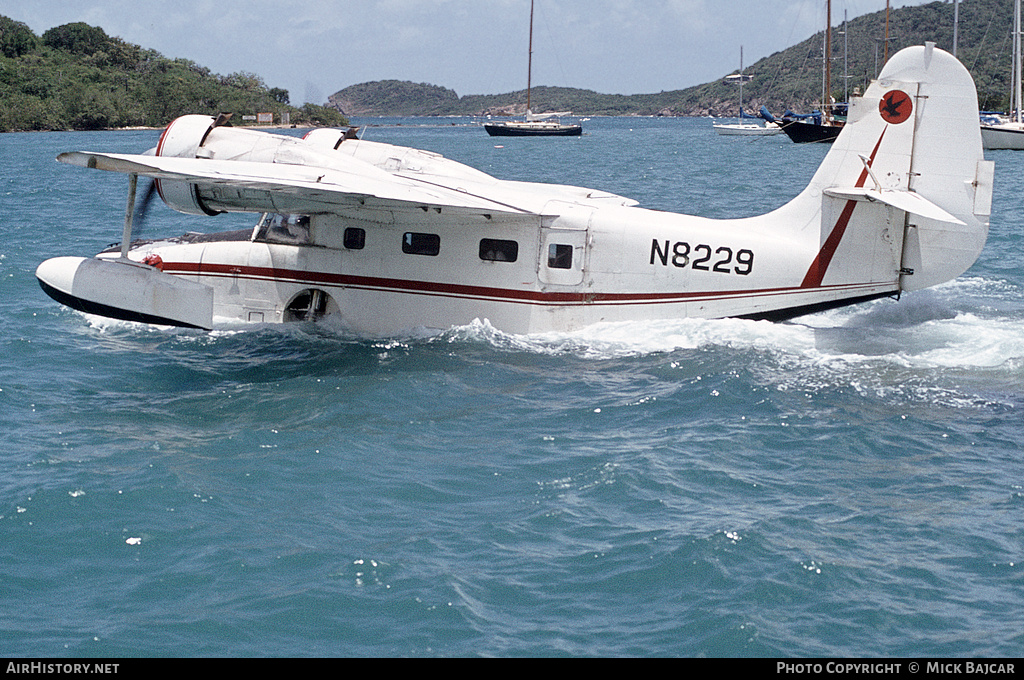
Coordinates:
[747,129]
[1005,136]
[1010,134]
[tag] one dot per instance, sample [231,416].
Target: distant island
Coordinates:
[789,79]
[76,77]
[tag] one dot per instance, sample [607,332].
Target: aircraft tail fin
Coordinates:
[911,154]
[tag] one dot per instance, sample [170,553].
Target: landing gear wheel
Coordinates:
[309,305]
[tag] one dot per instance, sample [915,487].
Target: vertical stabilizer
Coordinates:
[948,169]
[910,158]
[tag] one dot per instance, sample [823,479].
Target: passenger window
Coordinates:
[355,238]
[421,244]
[559,256]
[497,250]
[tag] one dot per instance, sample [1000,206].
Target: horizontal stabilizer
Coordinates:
[908,201]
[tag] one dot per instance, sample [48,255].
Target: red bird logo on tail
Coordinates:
[895,107]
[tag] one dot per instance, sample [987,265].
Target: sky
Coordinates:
[313,48]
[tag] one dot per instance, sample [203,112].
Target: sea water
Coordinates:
[845,484]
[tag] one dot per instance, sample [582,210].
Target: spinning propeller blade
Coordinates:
[142,209]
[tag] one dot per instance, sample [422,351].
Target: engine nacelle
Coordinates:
[196,136]
[183,138]
[328,139]
[184,197]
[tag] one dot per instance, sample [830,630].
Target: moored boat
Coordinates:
[810,128]
[535,125]
[1008,132]
[533,128]
[747,129]
[825,125]
[741,128]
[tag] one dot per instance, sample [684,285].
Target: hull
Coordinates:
[804,133]
[1007,136]
[532,130]
[381,290]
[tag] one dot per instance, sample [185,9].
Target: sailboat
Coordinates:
[1009,134]
[535,125]
[819,126]
[741,128]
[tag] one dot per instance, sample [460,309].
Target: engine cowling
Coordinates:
[196,136]
[183,138]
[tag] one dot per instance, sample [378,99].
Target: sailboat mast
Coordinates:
[846,60]
[828,63]
[1016,62]
[529,63]
[741,83]
[886,59]
[956,23]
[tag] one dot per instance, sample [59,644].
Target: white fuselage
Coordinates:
[521,273]
[384,239]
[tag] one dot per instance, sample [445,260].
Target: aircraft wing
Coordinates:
[247,186]
[293,188]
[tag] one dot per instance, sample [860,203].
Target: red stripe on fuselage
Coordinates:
[466,291]
[816,273]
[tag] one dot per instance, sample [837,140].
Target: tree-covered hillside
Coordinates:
[77,77]
[398,98]
[791,78]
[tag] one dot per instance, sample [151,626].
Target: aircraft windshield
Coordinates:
[291,229]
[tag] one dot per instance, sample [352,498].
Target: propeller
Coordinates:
[142,209]
[136,216]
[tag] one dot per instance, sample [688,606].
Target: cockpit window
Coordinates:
[289,229]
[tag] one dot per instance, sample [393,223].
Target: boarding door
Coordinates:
[563,256]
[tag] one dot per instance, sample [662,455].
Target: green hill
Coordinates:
[791,78]
[77,77]
[398,98]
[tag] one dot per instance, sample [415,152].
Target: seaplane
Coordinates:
[384,239]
